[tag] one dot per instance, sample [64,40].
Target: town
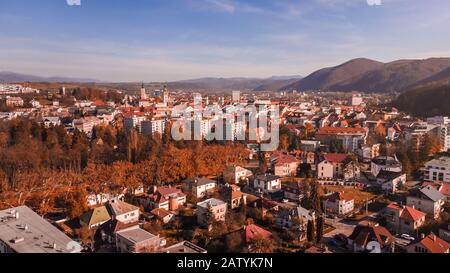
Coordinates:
[94,168]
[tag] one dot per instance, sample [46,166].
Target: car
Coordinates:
[407,237]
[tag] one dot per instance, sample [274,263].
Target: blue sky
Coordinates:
[162,40]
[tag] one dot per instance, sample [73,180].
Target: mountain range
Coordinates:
[374,76]
[360,74]
[12,77]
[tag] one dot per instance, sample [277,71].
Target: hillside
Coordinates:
[11,77]
[373,76]
[425,101]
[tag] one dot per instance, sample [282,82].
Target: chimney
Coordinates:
[422,235]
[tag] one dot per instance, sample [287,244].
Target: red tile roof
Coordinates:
[339,130]
[337,158]
[253,231]
[435,244]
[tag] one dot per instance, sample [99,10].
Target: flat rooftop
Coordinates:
[24,231]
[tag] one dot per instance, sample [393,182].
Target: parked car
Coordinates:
[407,237]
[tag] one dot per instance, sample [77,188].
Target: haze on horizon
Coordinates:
[155,40]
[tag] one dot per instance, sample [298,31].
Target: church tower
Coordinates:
[166,95]
[143,92]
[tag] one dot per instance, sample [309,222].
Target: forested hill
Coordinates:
[425,101]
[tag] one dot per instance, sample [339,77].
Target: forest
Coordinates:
[51,170]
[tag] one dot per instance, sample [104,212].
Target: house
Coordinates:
[108,230]
[216,207]
[385,163]
[371,237]
[284,164]
[24,231]
[403,219]
[184,247]
[122,211]
[294,218]
[266,183]
[444,233]
[430,244]
[200,187]
[438,170]
[442,187]
[14,102]
[50,121]
[390,182]
[137,240]
[251,233]
[95,217]
[168,198]
[427,199]
[339,203]
[163,215]
[233,195]
[293,190]
[350,139]
[367,152]
[236,174]
[258,208]
[337,166]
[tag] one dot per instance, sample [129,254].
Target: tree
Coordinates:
[262,245]
[310,231]
[319,229]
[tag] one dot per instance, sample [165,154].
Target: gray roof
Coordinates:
[432,193]
[30,233]
[267,177]
[136,235]
[184,247]
[212,202]
[200,181]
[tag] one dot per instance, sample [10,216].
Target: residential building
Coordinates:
[403,219]
[385,163]
[430,244]
[371,237]
[200,186]
[438,170]
[284,165]
[216,207]
[184,247]
[235,174]
[137,240]
[122,211]
[163,215]
[266,183]
[350,139]
[233,195]
[153,127]
[390,182]
[95,217]
[427,199]
[251,233]
[14,102]
[339,203]
[444,233]
[293,190]
[338,166]
[168,198]
[24,231]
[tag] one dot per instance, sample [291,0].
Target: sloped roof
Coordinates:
[432,193]
[335,157]
[253,231]
[118,207]
[435,244]
[96,216]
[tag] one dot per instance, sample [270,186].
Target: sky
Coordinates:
[167,40]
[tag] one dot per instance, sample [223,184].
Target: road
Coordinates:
[341,227]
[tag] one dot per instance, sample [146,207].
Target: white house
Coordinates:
[123,212]
[438,170]
[339,203]
[267,183]
[427,199]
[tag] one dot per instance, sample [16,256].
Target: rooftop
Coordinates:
[25,231]
[210,202]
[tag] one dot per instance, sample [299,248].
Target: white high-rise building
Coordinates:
[443,130]
[143,92]
[438,170]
